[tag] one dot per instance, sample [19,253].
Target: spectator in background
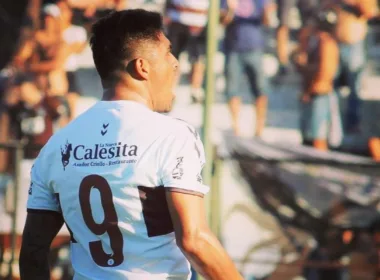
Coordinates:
[244,45]
[186,29]
[351,31]
[91,6]
[49,56]
[28,114]
[86,12]
[49,53]
[318,65]
[76,38]
[306,10]
[16,85]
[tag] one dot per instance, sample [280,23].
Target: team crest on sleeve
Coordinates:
[199,178]
[65,154]
[178,170]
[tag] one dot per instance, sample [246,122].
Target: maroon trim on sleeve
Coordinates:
[172,189]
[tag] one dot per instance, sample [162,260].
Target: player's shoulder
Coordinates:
[176,126]
[53,143]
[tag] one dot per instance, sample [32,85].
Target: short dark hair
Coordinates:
[119,35]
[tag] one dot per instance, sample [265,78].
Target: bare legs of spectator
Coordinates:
[283,47]
[320,144]
[374,148]
[197,75]
[261,114]
[234,104]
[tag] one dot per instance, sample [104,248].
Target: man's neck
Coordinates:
[125,93]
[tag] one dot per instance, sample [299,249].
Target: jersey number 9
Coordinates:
[109,224]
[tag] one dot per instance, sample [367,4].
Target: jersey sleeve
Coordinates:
[41,196]
[182,162]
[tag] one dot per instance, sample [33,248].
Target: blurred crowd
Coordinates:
[39,86]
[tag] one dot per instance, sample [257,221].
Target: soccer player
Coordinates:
[125,179]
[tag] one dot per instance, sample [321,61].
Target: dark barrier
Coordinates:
[328,196]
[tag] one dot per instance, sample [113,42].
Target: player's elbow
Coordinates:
[188,245]
[194,243]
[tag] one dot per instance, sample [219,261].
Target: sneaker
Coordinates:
[197,95]
[282,74]
[283,70]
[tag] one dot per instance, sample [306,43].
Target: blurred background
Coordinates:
[294,122]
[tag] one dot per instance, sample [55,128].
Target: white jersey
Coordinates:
[107,172]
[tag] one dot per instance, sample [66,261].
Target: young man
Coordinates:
[186,20]
[125,179]
[50,54]
[318,66]
[75,37]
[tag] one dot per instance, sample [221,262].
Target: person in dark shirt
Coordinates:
[244,46]
[306,9]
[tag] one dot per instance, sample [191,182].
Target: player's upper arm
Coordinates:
[188,216]
[39,232]
[41,228]
[181,166]
[43,222]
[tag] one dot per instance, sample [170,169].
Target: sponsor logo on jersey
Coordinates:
[105,154]
[104,151]
[178,170]
[65,154]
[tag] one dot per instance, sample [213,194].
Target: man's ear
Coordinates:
[140,69]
